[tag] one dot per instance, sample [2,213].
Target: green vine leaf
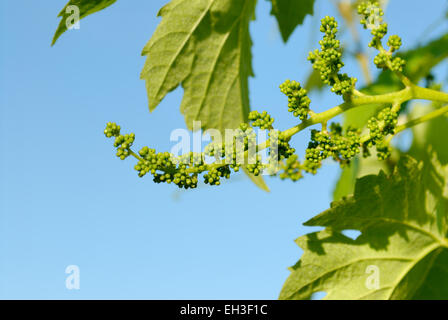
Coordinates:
[290,13]
[205,46]
[403,225]
[257,180]
[86,7]
[359,167]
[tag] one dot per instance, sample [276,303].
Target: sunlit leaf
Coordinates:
[402,251]
[290,13]
[86,7]
[205,46]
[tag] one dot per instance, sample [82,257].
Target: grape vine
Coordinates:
[332,141]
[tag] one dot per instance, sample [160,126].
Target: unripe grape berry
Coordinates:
[394,43]
[298,101]
[261,120]
[291,169]
[112,130]
[256,168]
[397,64]
[383,151]
[381,60]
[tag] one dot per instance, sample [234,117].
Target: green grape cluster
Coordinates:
[112,130]
[298,101]
[383,124]
[215,149]
[123,143]
[213,177]
[347,146]
[166,168]
[381,60]
[344,84]
[380,127]
[372,13]
[397,64]
[341,147]
[229,155]
[328,60]
[256,168]
[319,148]
[292,169]
[383,150]
[261,120]
[182,171]
[394,43]
[281,145]
[244,139]
[283,157]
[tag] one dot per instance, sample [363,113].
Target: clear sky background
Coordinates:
[65,199]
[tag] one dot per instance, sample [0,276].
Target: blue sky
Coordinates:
[67,200]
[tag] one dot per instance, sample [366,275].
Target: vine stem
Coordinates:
[132,153]
[410,92]
[431,115]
